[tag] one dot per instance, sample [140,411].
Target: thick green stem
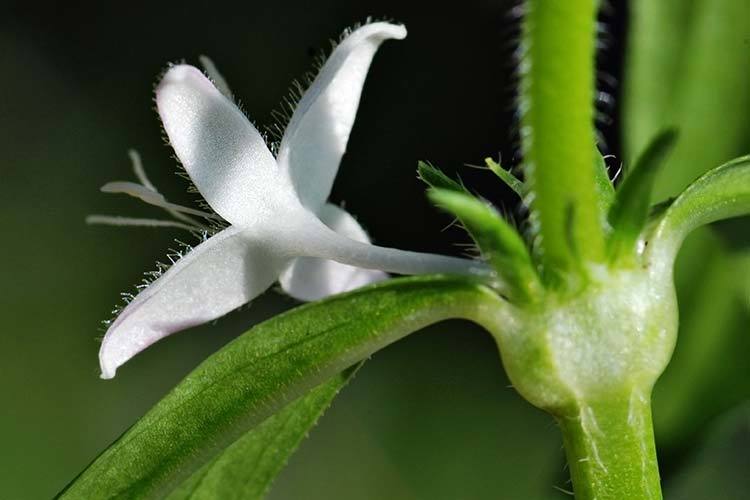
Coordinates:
[557,106]
[610,447]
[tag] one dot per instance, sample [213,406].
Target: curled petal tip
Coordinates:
[395,31]
[317,134]
[107,367]
[384,28]
[381,30]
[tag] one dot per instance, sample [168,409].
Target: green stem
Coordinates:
[557,105]
[610,448]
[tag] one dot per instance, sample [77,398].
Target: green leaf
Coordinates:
[263,370]
[508,178]
[245,470]
[557,132]
[499,242]
[632,202]
[722,193]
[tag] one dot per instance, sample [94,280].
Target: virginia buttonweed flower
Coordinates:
[280,225]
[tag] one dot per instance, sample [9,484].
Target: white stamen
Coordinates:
[153,198]
[139,171]
[113,220]
[135,190]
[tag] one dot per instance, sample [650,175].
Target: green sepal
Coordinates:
[436,178]
[631,206]
[506,176]
[499,242]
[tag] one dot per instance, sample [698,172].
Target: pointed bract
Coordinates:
[630,207]
[506,176]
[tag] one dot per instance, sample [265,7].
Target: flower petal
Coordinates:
[219,275]
[222,152]
[311,278]
[304,234]
[316,137]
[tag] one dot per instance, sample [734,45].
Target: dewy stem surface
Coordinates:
[610,448]
[557,131]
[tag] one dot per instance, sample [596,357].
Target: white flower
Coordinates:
[281,228]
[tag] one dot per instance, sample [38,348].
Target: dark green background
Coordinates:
[432,417]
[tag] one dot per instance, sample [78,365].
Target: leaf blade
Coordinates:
[247,467]
[252,377]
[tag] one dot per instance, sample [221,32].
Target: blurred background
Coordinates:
[431,417]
